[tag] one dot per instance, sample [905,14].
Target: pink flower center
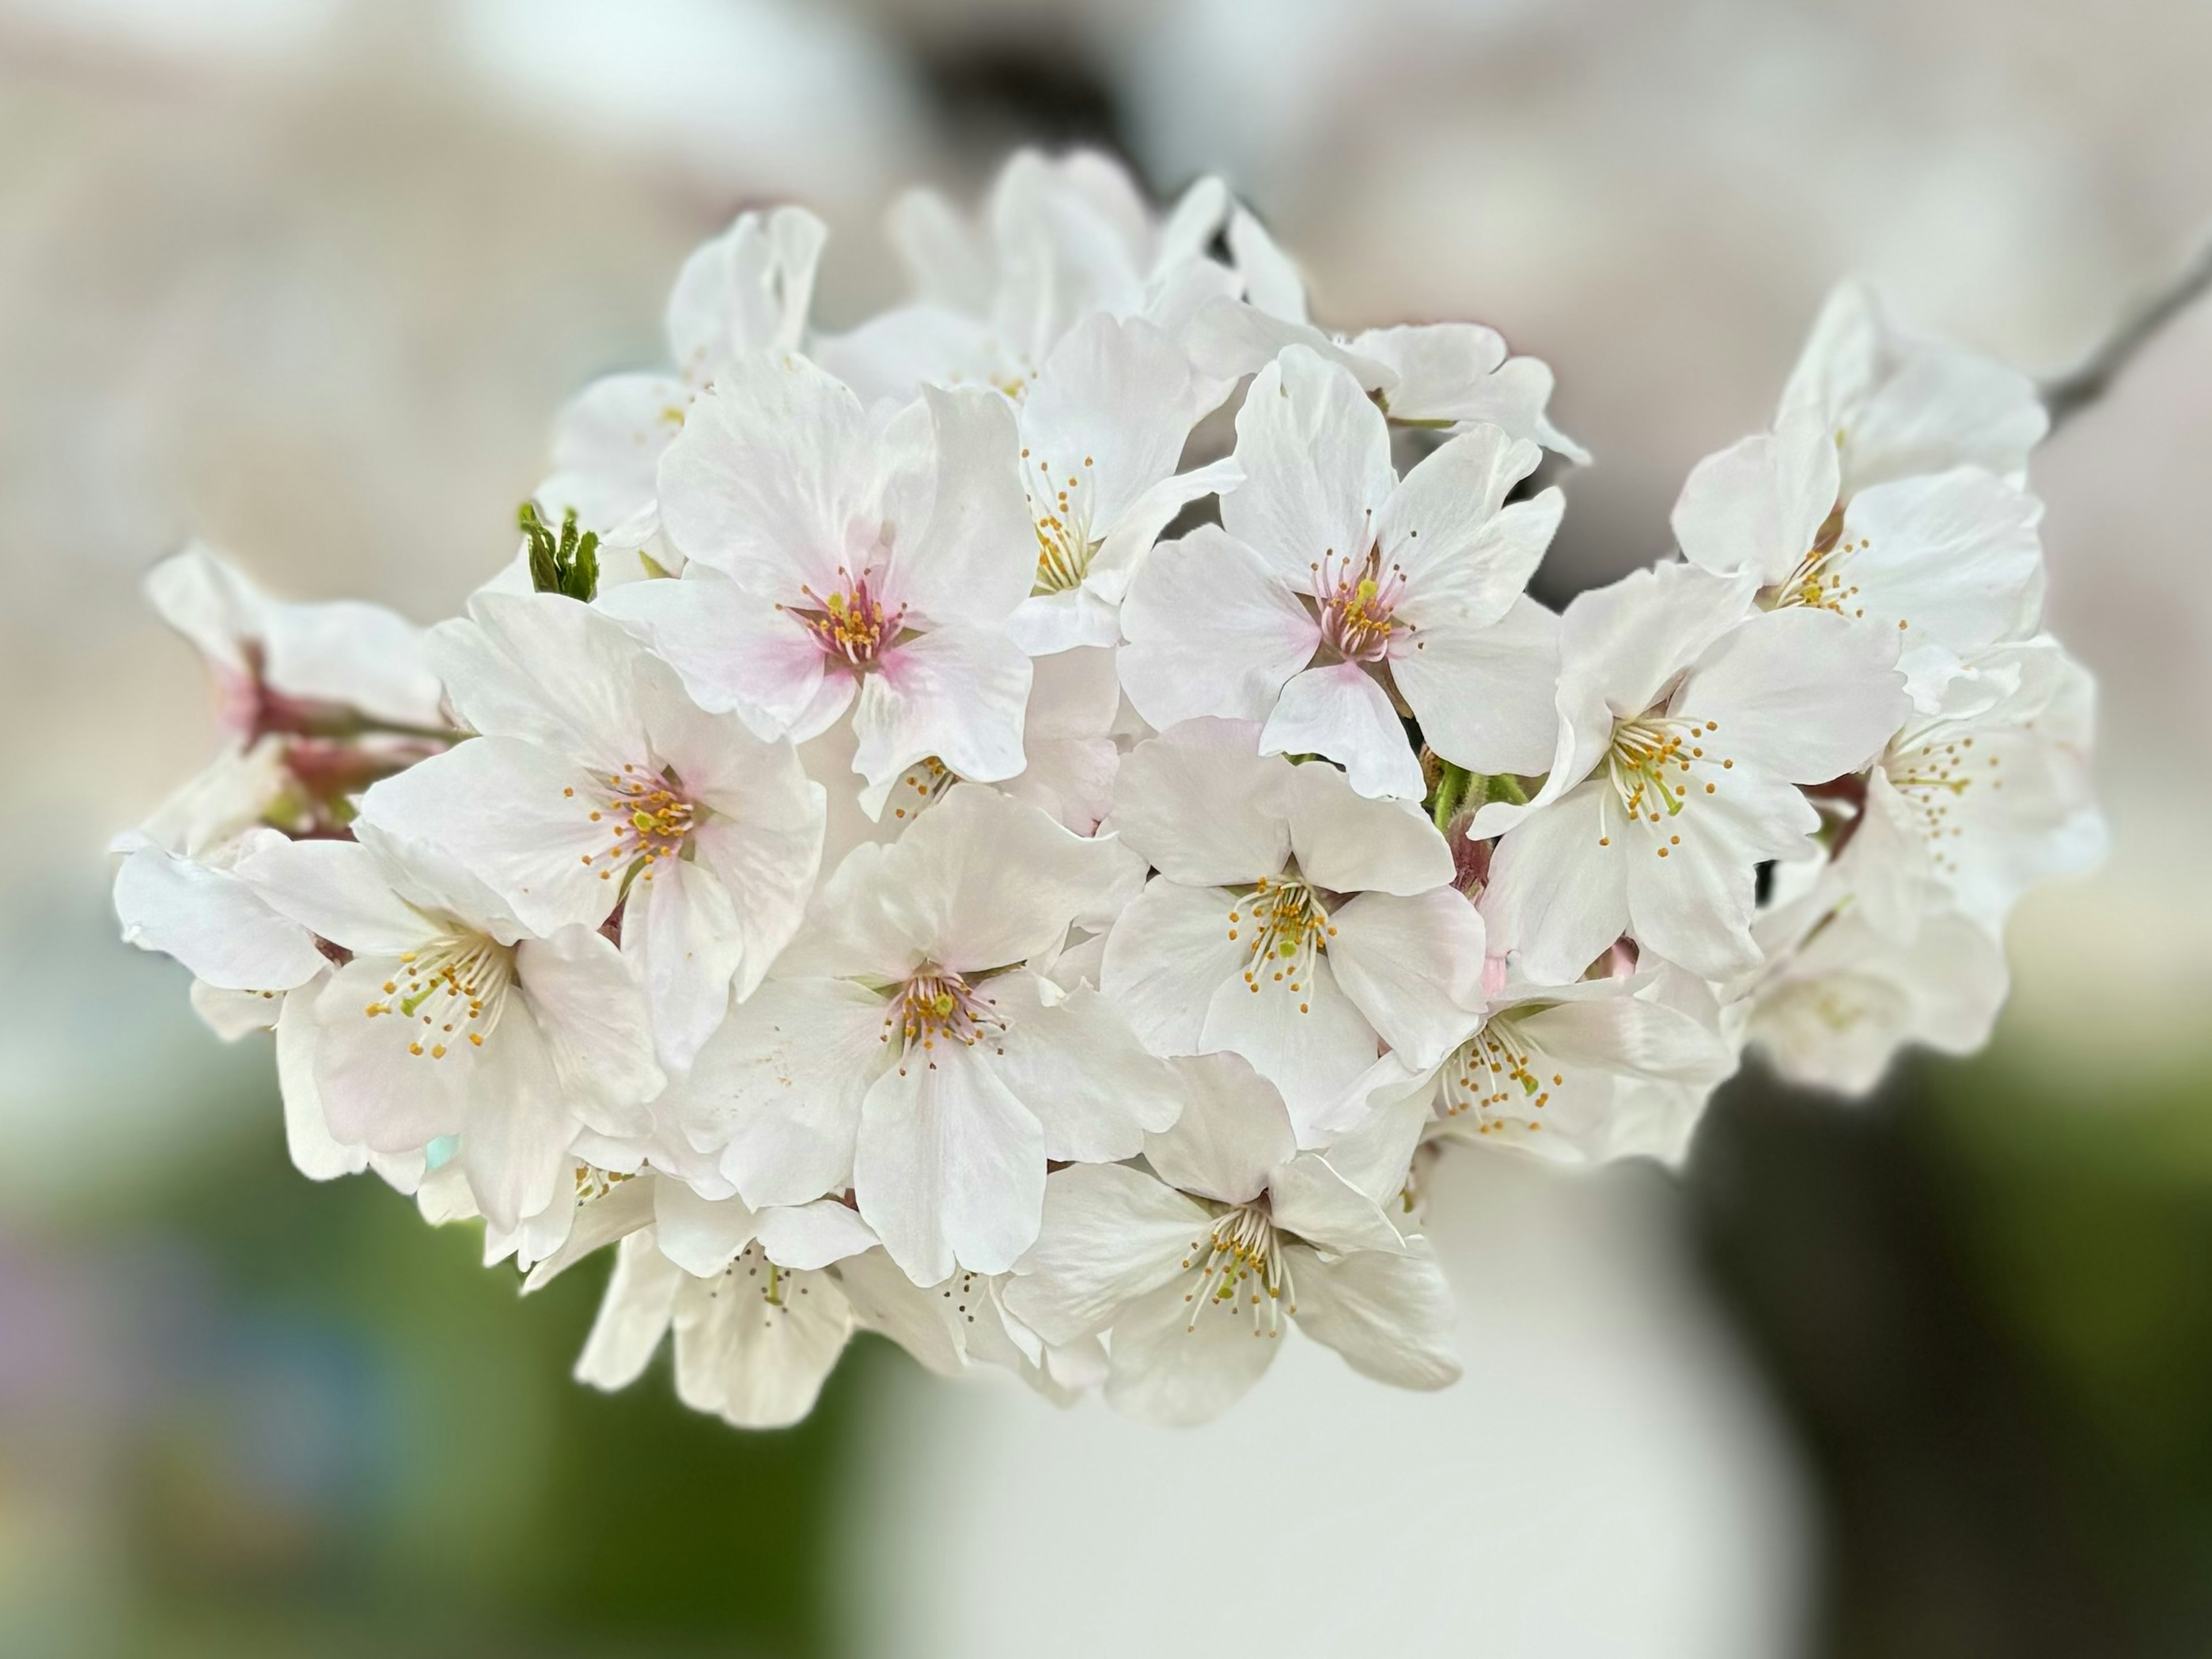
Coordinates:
[851,623]
[1356,598]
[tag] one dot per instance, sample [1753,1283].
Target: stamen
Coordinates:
[1655,761]
[1242,1265]
[465,977]
[939,1007]
[1356,601]
[1289,927]
[851,623]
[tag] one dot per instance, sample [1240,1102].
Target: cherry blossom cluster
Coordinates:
[1028,826]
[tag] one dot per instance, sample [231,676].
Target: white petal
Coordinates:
[607,444]
[957,695]
[1175,1363]
[517,1125]
[1212,631]
[1308,1039]
[1412,966]
[699,1235]
[213,922]
[1233,1135]
[755,1362]
[920,1319]
[1080,1070]
[592,1012]
[1464,553]
[1800,694]
[1203,805]
[1342,712]
[1110,410]
[514,816]
[340,890]
[1626,641]
[546,669]
[950,1166]
[625,1208]
[966,551]
[1110,1234]
[772,478]
[737,653]
[747,290]
[640,1301]
[1166,955]
[1758,506]
[984,880]
[1555,898]
[780,1087]
[1951,560]
[1317,458]
[1391,1316]
[1348,843]
[1131,533]
[1046,624]
[374,1092]
[1485,696]
[316,1152]
[805,1236]
[679,931]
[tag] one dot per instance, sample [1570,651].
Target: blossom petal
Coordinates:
[1800,694]
[738,652]
[596,1033]
[1212,631]
[1166,955]
[966,551]
[1341,711]
[1203,805]
[779,1086]
[1234,1133]
[754,1363]
[1176,1364]
[515,1136]
[1953,559]
[1080,1070]
[1110,1234]
[1317,458]
[1626,641]
[950,1166]
[1308,1197]
[805,1236]
[1349,843]
[1412,966]
[1485,696]
[1461,551]
[959,694]
[633,1315]
[213,922]
[546,669]
[983,880]
[701,1236]
[1758,506]
[1391,1316]
[1555,898]
[772,479]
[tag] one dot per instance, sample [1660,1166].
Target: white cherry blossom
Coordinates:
[1687,722]
[596,782]
[909,1045]
[1896,407]
[1196,1269]
[1336,595]
[1950,560]
[1292,922]
[447,1017]
[1450,375]
[1583,1073]
[1060,239]
[838,559]
[1103,426]
[748,290]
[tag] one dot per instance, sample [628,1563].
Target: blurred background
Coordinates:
[1927,1375]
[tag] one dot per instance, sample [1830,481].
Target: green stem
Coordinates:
[1451,789]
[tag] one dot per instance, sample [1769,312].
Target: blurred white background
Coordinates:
[309,277]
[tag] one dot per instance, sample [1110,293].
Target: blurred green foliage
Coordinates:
[346,1436]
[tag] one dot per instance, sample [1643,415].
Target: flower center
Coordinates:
[780,1289]
[1287,926]
[1659,764]
[1356,598]
[851,623]
[1495,1076]
[920,785]
[938,1007]
[1241,1268]
[1931,777]
[1061,515]
[452,991]
[650,818]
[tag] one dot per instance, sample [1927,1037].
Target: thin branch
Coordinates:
[2066,395]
